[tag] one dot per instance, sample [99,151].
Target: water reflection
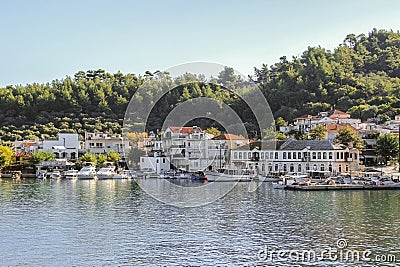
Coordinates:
[111,222]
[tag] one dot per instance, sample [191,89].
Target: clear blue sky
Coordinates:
[46,40]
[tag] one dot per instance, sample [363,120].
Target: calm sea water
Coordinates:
[115,223]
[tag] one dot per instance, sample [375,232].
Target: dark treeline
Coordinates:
[361,76]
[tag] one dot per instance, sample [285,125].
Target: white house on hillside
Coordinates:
[66,146]
[101,143]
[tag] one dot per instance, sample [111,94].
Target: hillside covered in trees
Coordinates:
[361,76]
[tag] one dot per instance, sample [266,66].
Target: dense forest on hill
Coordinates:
[361,76]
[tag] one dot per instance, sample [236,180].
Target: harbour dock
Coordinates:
[342,187]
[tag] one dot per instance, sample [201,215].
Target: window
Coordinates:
[271,155]
[284,168]
[262,155]
[319,155]
[299,155]
[355,156]
[324,155]
[142,159]
[249,155]
[322,167]
[284,155]
[289,155]
[294,155]
[330,155]
[276,155]
[244,155]
[299,168]
[266,155]
[337,155]
[235,155]
[314,155]
[240,155]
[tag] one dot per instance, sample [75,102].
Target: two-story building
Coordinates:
[66,146]
[303,156]
[102,143]
[186,147]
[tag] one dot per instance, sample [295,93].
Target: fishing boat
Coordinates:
[231,175]
[198,176]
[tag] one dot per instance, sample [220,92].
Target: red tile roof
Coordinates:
[228,137]
[336,127]
[188,130]
[337,114]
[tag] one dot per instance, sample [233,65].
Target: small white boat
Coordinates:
[88,172]
[71,174]
[289,179]
[126,174]
[278,185]
[55,175]
[106,173]
[231,175]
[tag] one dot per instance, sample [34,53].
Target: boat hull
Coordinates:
[222,177]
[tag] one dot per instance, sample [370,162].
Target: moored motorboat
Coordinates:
[231,175]
[87,172]
[124,174]
[71,174]
[55,174]
[106,173]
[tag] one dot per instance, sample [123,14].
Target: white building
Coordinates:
[66,146]
[303,156]
[156,163]
[187,147]
[102,143]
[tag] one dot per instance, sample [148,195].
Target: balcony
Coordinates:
[178,156]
